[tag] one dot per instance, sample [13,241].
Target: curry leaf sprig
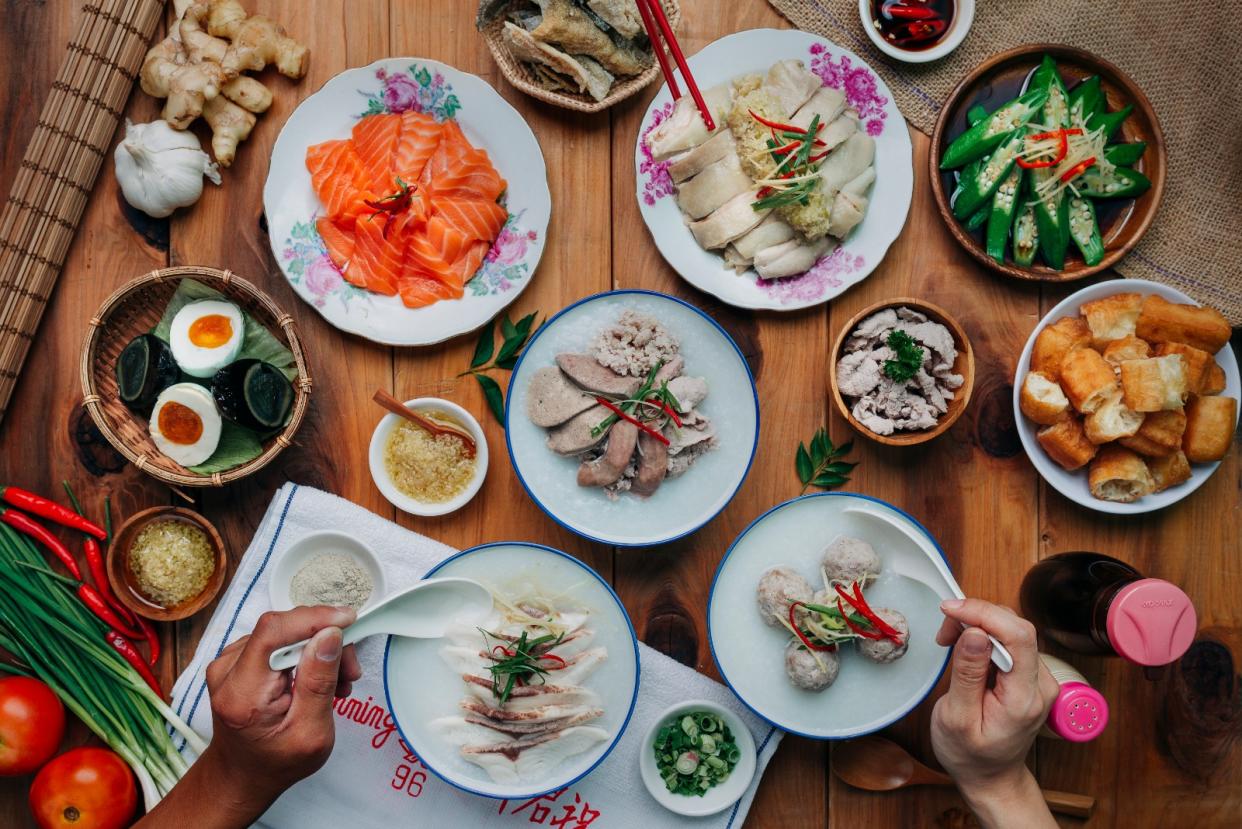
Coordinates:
[821,465]
[909,356]
[513,335]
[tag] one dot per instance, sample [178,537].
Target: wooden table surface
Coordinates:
[1170,753]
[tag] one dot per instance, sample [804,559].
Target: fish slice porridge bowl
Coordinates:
[632,418]
[407,202]
[557,625]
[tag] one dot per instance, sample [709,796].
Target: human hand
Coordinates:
[269,731]
[266,726]
[983,727]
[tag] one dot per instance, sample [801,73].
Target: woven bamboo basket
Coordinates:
[520,75]
[136,308]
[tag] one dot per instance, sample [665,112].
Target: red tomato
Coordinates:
[85,788]
[32,721]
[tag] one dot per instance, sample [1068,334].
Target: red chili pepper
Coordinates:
[554,658]
[1077,169]
[860,604]
[667,409]
[849,623]
[607,404]
[28,526]
[96,604]
[1062,149]
[52,511]
[153,639]
[798,631]
[898,11]
[126,649]
[917,31]
[776,125]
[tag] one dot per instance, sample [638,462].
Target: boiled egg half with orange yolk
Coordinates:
[206,336]
[185,423]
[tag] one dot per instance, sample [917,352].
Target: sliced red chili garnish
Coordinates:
[554,658]
[777,125]
[798,631]
[607,404]
[849,623]
[1077,169]
[860,604]
[667,409]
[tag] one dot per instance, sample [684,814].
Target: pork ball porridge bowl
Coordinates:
[632,418]
[818,618]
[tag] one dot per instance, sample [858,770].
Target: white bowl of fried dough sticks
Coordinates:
[1126,396]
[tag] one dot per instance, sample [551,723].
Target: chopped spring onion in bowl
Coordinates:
[698,758]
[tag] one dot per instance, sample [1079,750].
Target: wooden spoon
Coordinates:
[398,408]
[877,764]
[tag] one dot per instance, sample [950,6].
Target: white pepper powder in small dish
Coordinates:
[335,579]
[326,568]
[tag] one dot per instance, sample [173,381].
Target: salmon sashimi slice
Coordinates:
[420,135]
[458,169]
[340,244]
[339,180]
[380,258]
[375,139]
[425,255]
[468,264]
[419,287]
[477,218]
[448,242]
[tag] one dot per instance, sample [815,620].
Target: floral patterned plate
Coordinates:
[755,51]
[396,85]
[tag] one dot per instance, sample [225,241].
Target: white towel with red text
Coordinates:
[372,777]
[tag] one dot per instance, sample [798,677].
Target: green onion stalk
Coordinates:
[53,636]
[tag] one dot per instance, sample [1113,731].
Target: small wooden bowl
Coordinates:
[964,365]
[122,582]
[518,74]
[136,308]
[997,80]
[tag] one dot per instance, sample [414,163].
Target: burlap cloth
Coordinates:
[1186,63]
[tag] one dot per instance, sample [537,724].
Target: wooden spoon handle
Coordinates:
[1068,803]
[398,408]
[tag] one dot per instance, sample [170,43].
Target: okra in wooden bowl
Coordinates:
[1047,163]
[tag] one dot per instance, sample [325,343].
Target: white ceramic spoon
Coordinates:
[929,569]
[423,611]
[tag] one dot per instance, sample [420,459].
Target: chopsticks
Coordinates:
[653,16]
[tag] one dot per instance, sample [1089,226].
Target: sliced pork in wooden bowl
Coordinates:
[901,371]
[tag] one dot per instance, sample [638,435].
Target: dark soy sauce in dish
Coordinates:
[912,25]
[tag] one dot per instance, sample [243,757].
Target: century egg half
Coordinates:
[254,394]
[145,368]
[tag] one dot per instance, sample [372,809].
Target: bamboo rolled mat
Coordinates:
[1186,66]
[69,143]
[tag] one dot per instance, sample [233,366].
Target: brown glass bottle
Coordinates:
[1095,604]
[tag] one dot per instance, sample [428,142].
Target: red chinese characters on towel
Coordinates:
[577,815]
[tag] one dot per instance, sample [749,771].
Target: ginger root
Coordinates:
[256,41]
[198,69]
[230,125]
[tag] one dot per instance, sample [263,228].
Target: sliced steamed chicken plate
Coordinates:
[782,178]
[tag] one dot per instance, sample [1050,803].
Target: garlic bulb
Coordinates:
[160,168]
